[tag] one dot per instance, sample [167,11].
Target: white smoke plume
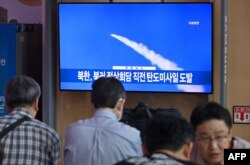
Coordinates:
[157,59]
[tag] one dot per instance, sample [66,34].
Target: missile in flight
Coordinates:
[158,60]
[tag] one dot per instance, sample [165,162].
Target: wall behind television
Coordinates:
[238,91]
[72,106]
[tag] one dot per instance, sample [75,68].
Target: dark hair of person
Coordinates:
[21,91]
[170,132]
[210,111]
[106,91]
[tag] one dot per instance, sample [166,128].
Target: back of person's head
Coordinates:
[169,111]
[170,132]
[210,111]
[106,91]
[21,91]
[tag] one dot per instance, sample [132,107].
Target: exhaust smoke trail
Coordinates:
[157,59]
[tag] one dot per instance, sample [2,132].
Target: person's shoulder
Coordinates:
[187,162]
[128,127]
[133,161]
[78,123]
[239,143]
[6,120]
[124,163]
[43,127]
[76,126]
[154,160]
[129,131]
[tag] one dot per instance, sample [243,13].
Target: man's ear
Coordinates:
[36,106]
[118,110]
[230,134]
[145,149]
[8,108]
[187,150]
[119,105]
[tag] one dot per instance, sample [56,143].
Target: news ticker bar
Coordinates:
[233,156]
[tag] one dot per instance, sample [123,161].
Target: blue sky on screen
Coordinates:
[167,30]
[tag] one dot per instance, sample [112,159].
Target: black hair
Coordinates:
[21,91]
[210,111]
[106,91]
[170,132]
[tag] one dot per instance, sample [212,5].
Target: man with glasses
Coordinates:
[213,134]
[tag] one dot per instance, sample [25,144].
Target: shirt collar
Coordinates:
[21,111]
[105,112]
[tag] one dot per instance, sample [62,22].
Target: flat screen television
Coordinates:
[150,47]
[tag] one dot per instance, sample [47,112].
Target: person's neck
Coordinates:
[111,110]
[106,108]
[30,110]
[175,154]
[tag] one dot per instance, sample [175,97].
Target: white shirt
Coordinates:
[100,140]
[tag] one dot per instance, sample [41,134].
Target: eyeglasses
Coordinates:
[218,139]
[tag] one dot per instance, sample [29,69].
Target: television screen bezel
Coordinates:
[106,3]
